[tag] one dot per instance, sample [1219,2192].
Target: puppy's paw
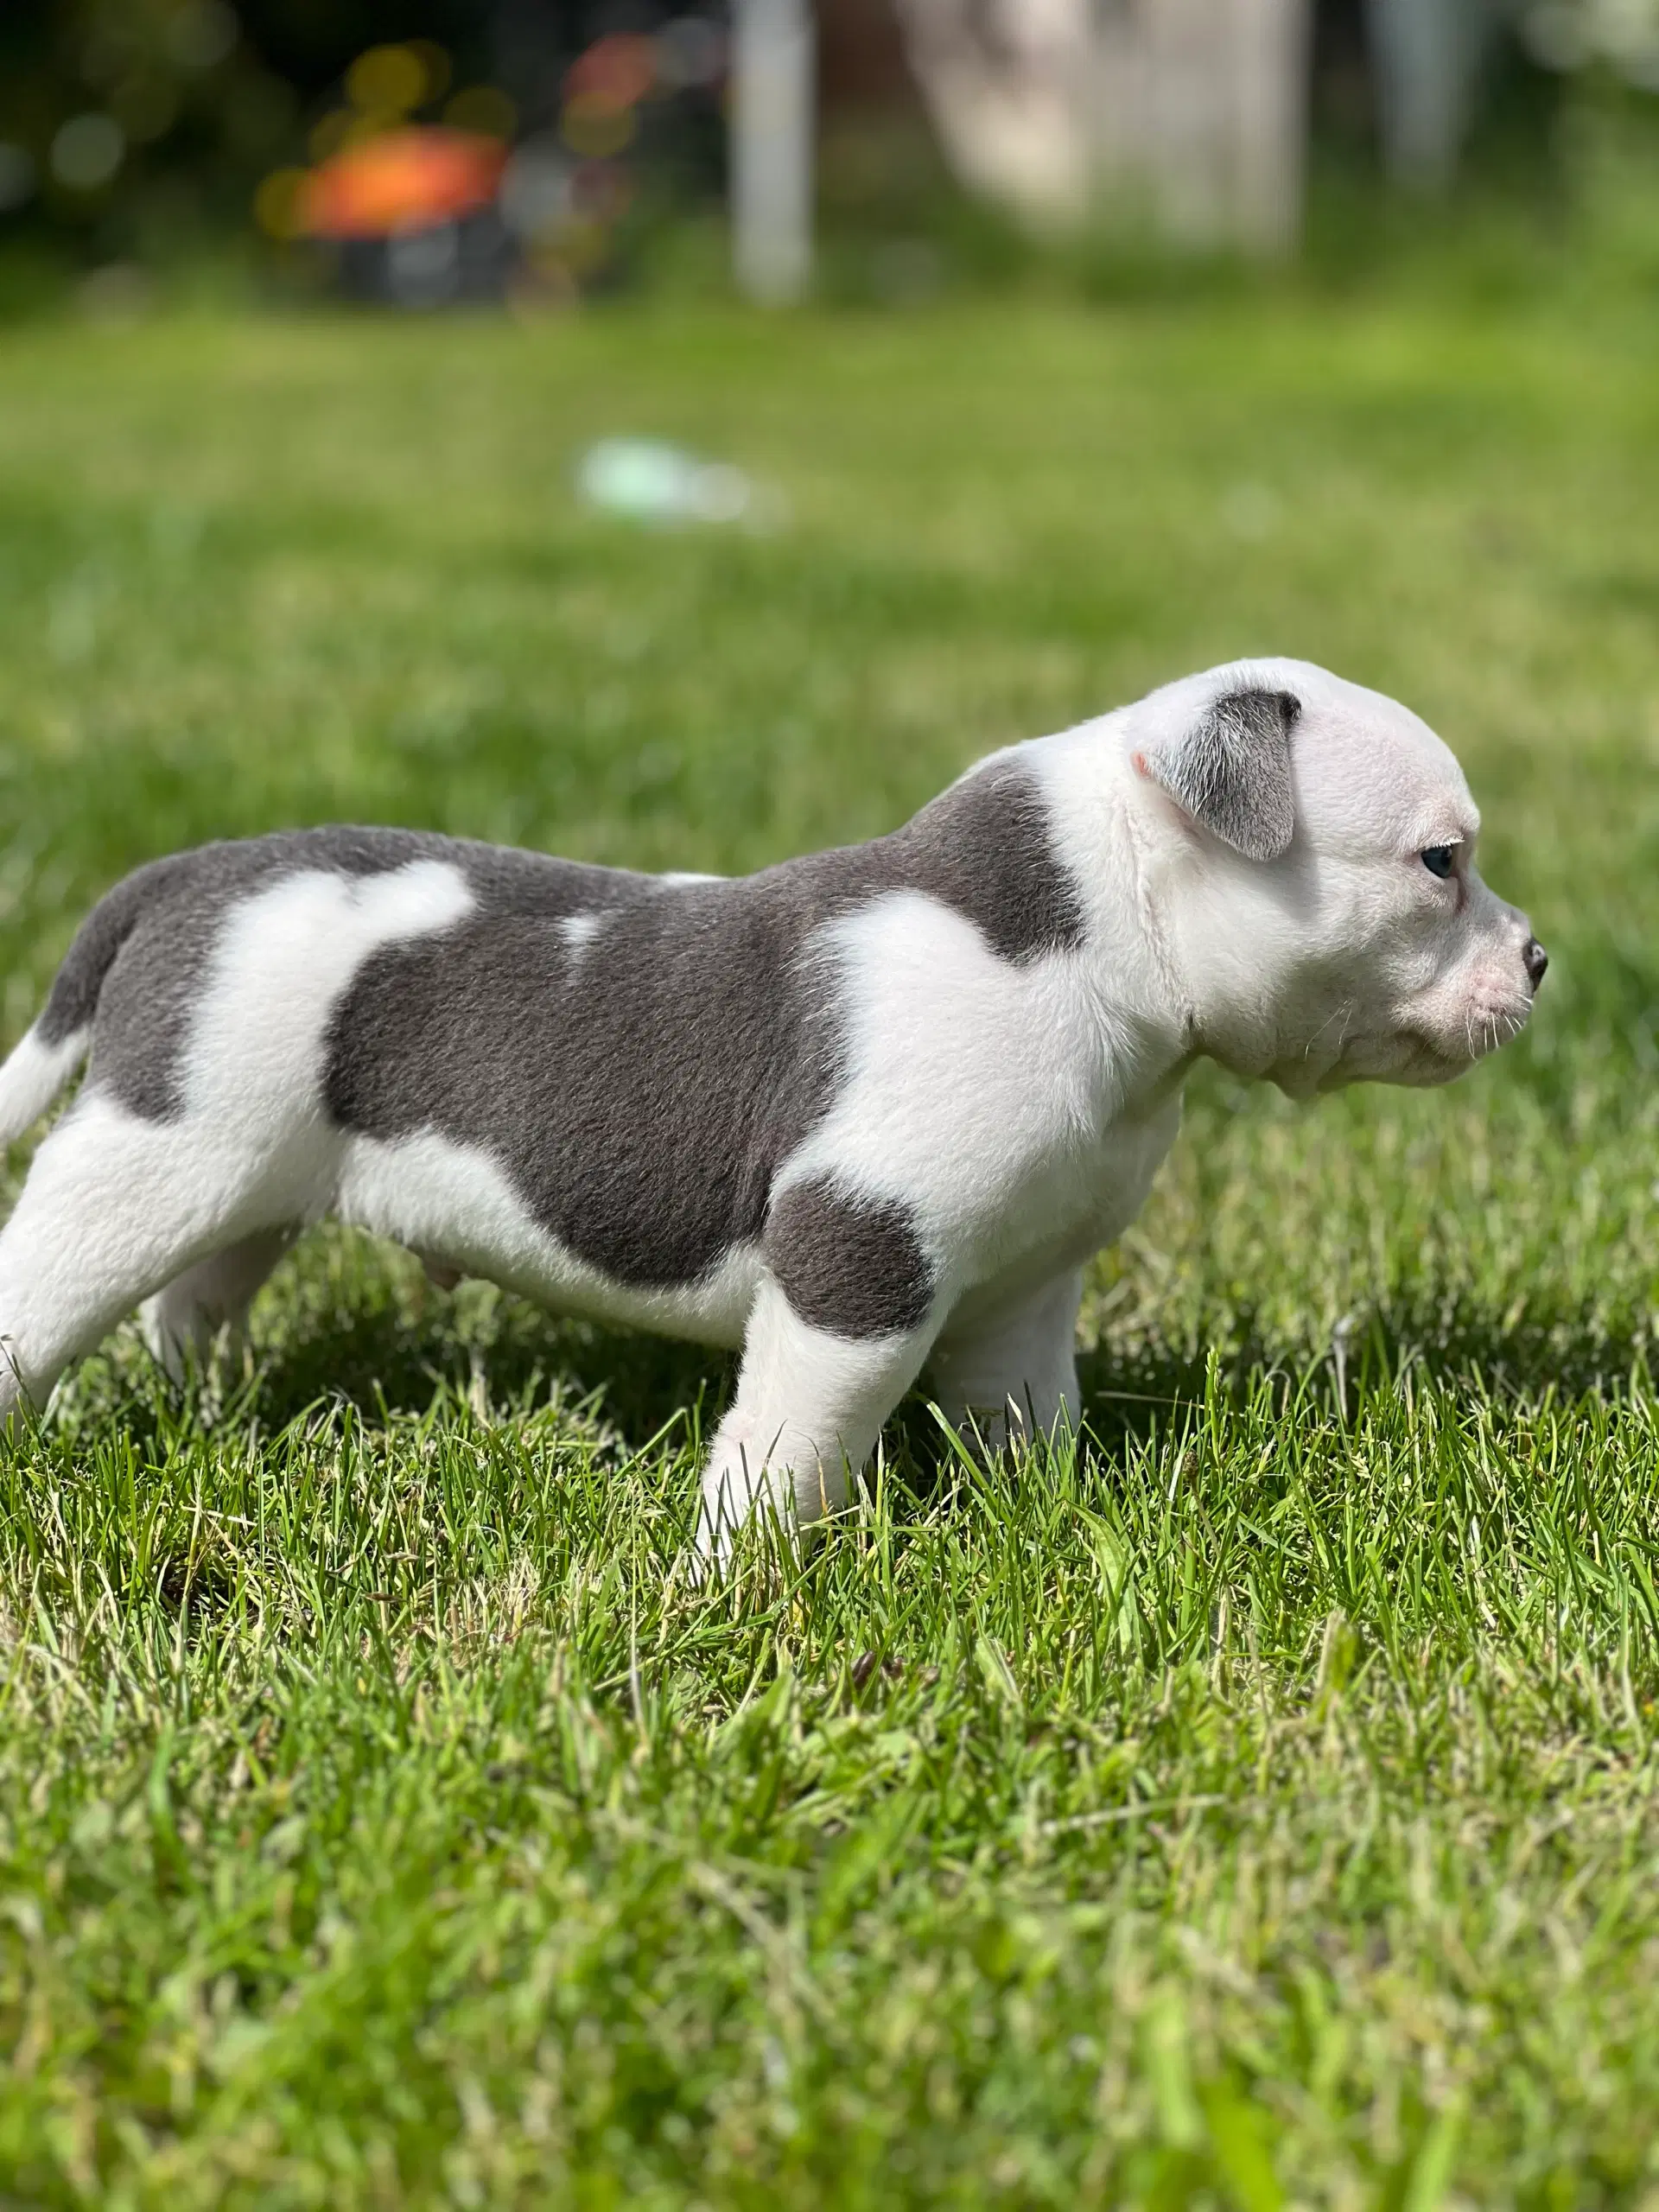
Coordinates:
[191,1343]
[739,1511]
[984,1431]
[728,1497]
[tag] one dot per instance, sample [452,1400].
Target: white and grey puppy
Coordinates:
[864,1113]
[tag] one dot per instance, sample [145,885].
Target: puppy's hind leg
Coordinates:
[182,1322]
[113,1208]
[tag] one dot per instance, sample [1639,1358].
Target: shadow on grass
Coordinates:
[1457,1344]
[348,1329]
[383,1362]
[347,1324]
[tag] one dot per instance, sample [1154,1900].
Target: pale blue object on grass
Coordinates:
[652,482]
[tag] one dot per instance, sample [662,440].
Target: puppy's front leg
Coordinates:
[1011,1370]
[809,1407]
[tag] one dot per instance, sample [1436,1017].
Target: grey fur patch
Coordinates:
[643,1093]
[640,1090]
[1230,771]
[852,1266]
[138,961]
[984,847]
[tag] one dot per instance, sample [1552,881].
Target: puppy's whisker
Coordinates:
[1343,1012]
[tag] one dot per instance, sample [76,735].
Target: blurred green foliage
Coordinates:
[133,130]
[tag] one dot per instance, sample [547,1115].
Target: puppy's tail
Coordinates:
[32,1078]
[46,1055]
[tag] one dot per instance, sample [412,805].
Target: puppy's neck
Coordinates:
[1118,854]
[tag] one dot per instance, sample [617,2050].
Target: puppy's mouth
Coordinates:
[1441,1058]
[1490,1023]
[1427,1065]
[1427,1042]
[1417,1056]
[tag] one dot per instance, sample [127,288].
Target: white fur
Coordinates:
[578,930]
[1017,1111]
[1007,1154]
[255,1058]
[33,1076]
[809,1408]
[453,1201]
[184,1319]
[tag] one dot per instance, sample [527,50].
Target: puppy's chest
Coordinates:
[1079,1197]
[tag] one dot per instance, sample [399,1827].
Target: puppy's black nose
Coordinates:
[1536,960]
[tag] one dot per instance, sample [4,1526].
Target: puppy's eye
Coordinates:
[1437,859]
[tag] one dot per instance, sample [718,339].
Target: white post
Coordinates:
[1272,65]
[1222,117]
[773,128]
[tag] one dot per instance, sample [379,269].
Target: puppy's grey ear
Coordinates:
[1231,771]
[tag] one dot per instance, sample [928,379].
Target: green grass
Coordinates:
[1259,1807]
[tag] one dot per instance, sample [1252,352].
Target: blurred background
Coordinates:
[538,151]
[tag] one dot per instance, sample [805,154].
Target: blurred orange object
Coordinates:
[399,180]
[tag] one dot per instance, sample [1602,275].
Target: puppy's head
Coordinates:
[1316,845]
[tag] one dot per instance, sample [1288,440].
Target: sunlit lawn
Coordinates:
[1261,1807]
